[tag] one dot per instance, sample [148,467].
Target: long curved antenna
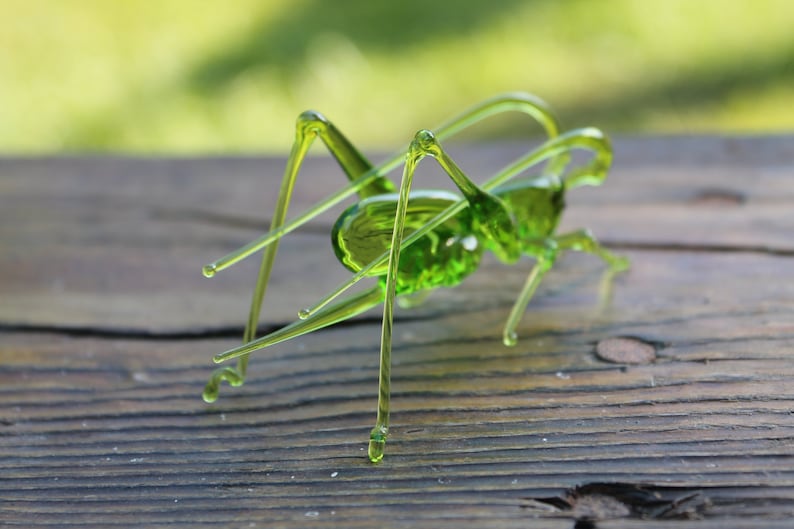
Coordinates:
[516,101]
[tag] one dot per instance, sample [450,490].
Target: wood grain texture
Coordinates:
[107,329]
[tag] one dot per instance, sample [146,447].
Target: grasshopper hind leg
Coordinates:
[580,241]
[585,241]
[310,125]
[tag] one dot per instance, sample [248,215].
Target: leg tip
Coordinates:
[229,374]
[377,445]
[209,270]
[210,394]
[375,451]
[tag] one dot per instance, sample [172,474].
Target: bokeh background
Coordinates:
[229,76]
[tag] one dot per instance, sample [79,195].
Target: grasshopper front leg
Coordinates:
[424,144]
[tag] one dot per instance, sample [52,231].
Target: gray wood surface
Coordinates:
[107,329]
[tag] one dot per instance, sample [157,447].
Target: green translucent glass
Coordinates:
[412,242]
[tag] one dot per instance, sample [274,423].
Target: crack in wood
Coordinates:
[78,331]
[596,501]
[697,248]
[202,333]
[717,196]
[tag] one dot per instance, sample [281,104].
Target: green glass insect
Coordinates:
[412,242]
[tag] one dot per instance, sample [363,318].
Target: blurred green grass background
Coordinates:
[191,76]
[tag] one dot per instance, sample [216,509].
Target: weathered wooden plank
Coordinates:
[107,330]
[119,422]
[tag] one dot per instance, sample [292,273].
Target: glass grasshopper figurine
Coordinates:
[412,242]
